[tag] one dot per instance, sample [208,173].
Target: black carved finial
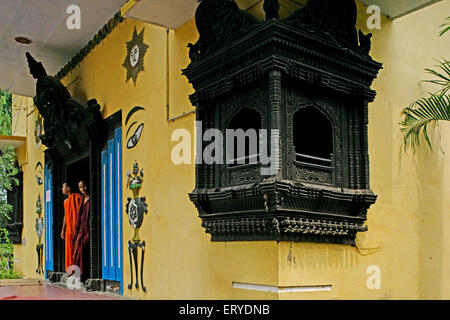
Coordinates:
[364,42]
[271,8]
[36,68]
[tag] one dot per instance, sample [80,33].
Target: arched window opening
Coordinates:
[243,138]
[313,137]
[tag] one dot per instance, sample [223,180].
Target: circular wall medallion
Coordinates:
[136,208]
[39,226]
[134,56]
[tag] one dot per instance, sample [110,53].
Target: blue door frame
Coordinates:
[48,220]
[112,252]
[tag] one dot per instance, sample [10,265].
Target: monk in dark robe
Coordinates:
[71,208]
[81,235]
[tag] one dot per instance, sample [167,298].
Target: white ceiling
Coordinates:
[397,8]
[44,22]
[168,13]
[174,13]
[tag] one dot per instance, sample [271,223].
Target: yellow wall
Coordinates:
[406,225]
[28,156]
[180,261]
[411,189]
[21,106]
[406,237]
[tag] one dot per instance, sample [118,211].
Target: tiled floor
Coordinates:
[47,291]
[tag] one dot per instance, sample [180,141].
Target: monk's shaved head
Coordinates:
[66,189]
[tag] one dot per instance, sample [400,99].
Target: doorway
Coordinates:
[76,172]
[84,162]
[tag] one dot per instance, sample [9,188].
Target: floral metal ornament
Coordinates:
[39,205]
[135,180]
[136,50]
[136,208]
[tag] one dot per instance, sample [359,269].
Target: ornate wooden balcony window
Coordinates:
[306,79]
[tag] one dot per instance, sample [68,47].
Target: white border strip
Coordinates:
[259,287]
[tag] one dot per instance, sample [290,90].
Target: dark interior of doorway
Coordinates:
[77,171]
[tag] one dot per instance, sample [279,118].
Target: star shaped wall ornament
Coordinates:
[136,50]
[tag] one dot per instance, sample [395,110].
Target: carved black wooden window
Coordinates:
[313,143]
[245,124]
[309,78]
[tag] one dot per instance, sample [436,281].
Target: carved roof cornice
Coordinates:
[298,53]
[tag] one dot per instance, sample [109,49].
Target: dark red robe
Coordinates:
[81,239]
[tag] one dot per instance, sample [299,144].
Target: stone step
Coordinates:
[20,282]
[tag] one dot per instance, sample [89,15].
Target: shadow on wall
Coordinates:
[76,89]
[429,166]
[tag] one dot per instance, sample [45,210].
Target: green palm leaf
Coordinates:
[420,114]
[425,111]
[445,26]
[443,76]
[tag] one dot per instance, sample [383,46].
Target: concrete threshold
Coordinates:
[103,293]
[20,282]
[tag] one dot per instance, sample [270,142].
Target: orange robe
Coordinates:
[71,207]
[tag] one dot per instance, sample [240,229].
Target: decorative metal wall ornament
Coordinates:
[39,173]
[315,58]
[38,131]
[136,208]
[134,139]
[136,50]
[136,136]
[39,229]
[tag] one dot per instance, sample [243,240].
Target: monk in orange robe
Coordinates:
[71,208]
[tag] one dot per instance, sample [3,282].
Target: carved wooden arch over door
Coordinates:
[73,130]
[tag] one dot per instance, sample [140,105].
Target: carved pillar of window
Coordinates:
[312,60]
[275,93]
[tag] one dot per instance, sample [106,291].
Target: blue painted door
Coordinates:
[112,255]
[48,220]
